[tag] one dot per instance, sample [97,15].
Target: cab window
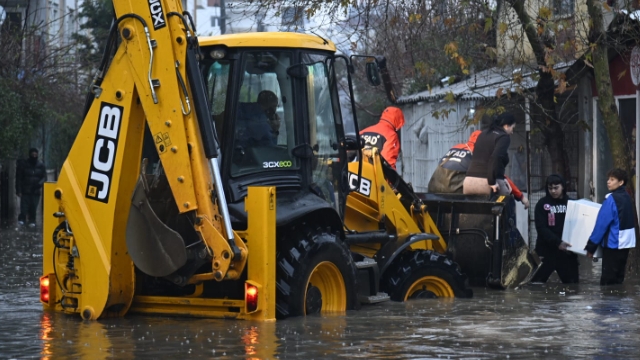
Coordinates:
[264,128]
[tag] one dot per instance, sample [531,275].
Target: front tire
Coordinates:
[315,274]
[423,274]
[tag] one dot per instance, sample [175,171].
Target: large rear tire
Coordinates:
[315,274]
[423,274]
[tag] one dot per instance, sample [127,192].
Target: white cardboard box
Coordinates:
[578,225]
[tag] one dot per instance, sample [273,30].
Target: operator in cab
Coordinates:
[384,136]
[258,122]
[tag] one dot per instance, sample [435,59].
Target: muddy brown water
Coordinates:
[536,321]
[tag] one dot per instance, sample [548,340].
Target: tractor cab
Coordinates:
[277,115]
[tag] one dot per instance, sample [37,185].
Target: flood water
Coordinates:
[537,321]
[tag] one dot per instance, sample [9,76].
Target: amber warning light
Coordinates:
[44,289]
[251,297]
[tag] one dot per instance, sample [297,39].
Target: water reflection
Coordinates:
[260,341]
[544,321]
[45,335]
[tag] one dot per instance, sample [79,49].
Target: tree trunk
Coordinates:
[548,123]
[546,119]
[607,105]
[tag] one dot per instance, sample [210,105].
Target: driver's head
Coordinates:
[268,101]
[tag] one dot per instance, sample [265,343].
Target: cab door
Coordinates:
[325,131]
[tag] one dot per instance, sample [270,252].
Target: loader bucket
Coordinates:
[482,237]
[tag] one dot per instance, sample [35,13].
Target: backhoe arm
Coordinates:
[97,221]
[183,148]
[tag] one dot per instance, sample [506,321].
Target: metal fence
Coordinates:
[540,167]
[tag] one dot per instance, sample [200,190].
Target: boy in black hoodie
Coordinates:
[549,216]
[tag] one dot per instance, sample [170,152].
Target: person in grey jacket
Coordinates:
[30,176]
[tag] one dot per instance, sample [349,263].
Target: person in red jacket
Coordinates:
[384,136]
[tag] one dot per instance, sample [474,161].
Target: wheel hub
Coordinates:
[428,287]
[326,291]
[423,294]
[314,300]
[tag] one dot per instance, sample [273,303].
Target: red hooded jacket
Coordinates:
[383,135]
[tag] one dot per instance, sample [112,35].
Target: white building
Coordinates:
[214,17]
[55,21]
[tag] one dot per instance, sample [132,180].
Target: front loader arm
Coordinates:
[375,204]
[92,264]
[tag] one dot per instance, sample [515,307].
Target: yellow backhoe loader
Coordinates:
[210,178]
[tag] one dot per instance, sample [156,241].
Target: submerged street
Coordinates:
[537,321]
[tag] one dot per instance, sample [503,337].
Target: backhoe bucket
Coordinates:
[154,248]
[482,237]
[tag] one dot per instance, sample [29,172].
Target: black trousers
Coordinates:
[28,207]
[564,263]
[614,262]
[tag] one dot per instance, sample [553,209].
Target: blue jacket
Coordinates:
[615,223]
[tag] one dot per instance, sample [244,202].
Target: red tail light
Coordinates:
[251,297]
[44,289]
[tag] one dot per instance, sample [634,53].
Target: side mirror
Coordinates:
[372,74]
[299,71]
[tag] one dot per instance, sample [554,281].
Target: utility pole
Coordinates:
[195,16]
[223,18]
[260,21]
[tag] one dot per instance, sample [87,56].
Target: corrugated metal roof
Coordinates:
[481,85]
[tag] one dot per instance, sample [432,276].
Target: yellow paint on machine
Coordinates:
[365,211]
[271,40]
[261,270]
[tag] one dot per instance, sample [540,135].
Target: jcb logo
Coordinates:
[104,152]
[365,185]
[276,164]
[157,14]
